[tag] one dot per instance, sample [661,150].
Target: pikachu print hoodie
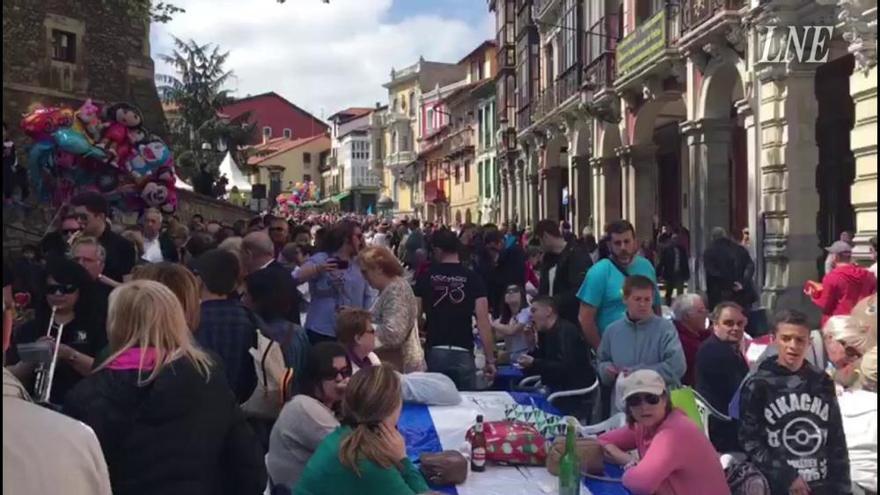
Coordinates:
[791,427]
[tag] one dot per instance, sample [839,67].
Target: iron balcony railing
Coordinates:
[563,88]
[695,12]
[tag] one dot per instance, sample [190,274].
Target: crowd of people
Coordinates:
[213,358]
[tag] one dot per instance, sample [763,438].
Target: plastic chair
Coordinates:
[533,383]
[614,422]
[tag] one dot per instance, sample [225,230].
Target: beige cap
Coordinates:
[643,382]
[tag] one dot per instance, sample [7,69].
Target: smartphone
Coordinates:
[340,264]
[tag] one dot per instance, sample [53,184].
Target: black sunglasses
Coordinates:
[62,289]
[335,373]
[637,400]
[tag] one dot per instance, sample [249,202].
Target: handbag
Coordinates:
[273,378]
[444,468]
[589,451]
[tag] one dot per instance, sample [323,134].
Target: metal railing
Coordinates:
[566,86]
[601,72]
[460,140]
[696,12]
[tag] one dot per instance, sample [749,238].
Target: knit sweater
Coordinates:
[649,344]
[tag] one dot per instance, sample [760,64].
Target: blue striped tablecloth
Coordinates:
[434,429]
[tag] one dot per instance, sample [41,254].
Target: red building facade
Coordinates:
[276,117]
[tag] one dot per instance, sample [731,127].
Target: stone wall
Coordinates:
[190,203]
[112,61]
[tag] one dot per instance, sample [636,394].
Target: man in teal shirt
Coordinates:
[601,294]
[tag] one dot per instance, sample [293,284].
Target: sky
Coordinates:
[326,57]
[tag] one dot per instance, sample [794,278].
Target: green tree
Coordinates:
[201,136]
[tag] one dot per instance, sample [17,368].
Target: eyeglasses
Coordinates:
[638,399]
[61,289]
[851,352]
[340,374]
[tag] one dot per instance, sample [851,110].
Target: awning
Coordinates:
[339,197]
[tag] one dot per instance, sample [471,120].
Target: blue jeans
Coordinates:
[458,365]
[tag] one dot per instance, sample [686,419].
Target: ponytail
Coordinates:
[365,441]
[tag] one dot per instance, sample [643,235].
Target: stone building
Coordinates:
[669,112]
[60,52]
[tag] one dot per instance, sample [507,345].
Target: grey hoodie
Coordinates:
[650,344]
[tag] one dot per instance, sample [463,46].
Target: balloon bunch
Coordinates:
[99,149]
[302,192]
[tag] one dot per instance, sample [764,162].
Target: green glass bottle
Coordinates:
[569,464]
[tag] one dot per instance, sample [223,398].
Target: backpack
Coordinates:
[744,478]
[273,377]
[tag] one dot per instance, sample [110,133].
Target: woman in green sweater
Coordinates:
[367,455]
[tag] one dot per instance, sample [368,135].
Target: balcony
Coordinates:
[399,159]
[648,50]
[460,142]
[545,10]
[564,88]
[506,57]
[435,191]
[700,18]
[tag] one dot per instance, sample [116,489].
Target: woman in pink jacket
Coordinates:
[676,457]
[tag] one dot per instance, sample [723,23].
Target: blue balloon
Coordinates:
[40,156]
[77,144]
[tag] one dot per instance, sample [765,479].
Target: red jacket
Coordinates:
[842,289]
[690,344]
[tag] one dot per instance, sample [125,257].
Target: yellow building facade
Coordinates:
[281,163]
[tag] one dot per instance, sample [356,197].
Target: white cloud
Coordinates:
[323,57]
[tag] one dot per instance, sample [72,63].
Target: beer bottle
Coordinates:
[478,447]
[569,465]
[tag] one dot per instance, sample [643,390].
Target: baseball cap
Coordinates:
[643,382]
[839,247]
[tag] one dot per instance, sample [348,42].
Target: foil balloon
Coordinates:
[150,155]
[77,144]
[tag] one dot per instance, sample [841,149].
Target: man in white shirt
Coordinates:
[152,229]
[858,409]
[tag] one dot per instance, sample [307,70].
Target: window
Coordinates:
[307,158]
[467,171]
[267,132]
[457,174]
[569,34]
[307,177]
[430,118]
[63,46]
[412,106]
[287,133]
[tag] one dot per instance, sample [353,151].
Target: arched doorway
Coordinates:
[723,131]
[467,216]
[656,171]
[836,170]
[555,178]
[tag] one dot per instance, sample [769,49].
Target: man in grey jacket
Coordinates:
[641,340]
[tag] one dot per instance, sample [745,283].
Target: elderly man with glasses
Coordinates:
[690,317]
[721,368]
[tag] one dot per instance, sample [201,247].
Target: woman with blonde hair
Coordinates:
[394,312]
[182,283]
[367,455]
[164,415]
[845,343]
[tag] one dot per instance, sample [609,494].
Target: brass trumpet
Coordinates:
[45,372]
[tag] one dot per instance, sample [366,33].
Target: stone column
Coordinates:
[598,200]
[787,120]
[709,156]
[863,87]
[502,204]
[519,206]
[745,110]
[581,192]
[534,213]
[551,195]
[639,166]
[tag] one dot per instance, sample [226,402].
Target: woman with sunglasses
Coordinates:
[659,433]
[67,288]
[367,455]
[58,243]
[310,416]
[515,315]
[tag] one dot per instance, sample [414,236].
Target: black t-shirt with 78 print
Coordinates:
[449,292]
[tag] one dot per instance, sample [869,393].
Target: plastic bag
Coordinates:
[432,389]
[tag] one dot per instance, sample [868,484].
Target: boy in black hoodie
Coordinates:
[791,427]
